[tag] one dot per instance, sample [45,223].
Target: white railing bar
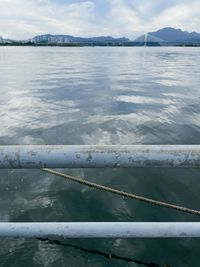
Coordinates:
[91,156]
[102,229]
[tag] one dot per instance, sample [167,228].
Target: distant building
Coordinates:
[1,39]
[50,39]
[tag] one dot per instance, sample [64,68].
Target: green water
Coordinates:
[98,96]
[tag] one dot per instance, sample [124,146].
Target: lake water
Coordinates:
[99,96]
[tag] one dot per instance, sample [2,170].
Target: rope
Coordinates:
[122,193]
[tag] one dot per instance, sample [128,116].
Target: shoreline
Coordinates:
[129,44]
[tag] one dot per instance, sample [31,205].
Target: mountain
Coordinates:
[6,41]
[169,34]
[49,38]
[174,35]
[148,38]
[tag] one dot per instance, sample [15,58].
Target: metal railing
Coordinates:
[102,229]
[97,157]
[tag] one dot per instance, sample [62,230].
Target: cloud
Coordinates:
[24,18]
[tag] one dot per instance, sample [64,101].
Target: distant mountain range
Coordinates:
[162,36]
[169,34]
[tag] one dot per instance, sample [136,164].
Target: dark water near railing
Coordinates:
[99,96]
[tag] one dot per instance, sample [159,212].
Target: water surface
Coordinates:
[124,95]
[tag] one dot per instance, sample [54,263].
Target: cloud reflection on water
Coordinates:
[44,89]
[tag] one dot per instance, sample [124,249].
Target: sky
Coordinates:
[23,19]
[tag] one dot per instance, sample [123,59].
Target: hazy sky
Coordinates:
[21,19]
